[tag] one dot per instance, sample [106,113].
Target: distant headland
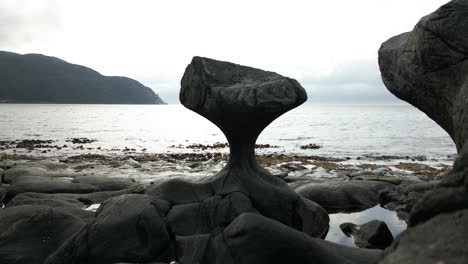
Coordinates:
[36,78]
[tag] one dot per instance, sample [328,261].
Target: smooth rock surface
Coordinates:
[252,238]
[344,196]
[374,234]
[28,234]
[442,239]
[127,228]
[49,186]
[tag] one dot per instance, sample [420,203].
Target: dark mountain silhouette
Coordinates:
[36,78]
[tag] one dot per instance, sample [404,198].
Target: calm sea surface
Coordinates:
[341,130]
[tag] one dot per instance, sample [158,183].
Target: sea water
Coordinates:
[340,130]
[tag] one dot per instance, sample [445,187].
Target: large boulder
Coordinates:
[47,186]
[344,196]
[210,216]
[428,67]
[442,239]
[127,228]
[373,234]
[2,196]
[28,234]
[104,183]
[252,238]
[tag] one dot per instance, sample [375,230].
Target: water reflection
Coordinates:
[335,234]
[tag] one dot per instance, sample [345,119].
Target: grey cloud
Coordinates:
[352,82]
[24,21]
[355,81]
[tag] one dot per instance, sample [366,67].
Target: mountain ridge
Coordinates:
[38,78]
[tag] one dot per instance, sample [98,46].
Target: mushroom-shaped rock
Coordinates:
[242,101]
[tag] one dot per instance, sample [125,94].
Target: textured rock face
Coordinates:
[240,100]
[28,234]
[442,239]
[374,234]
[344,196]
[126,228]
[428,67]
[252,238]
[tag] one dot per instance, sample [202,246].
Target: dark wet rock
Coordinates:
[403,198]
[28,234]
[10,174]
[128,228]
[252,238]
[22,179]
[210,216]
[146,263]
[344,196]
[315,219]
[442,239]
[181,192]
[74,199]
[104,183]
[193,249]
[2,196]
[392,180]
[80,140]
[37,169]
[281,175]
[428,67]
[68,204]
[311,146]
[374,234]
[51,200]
[50,186]
[438,201]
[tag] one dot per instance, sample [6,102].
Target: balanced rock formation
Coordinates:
[428,67]
[242,101]
[243,214]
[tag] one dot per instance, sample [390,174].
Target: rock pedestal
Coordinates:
[242,101]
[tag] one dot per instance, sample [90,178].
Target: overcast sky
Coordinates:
[329,46]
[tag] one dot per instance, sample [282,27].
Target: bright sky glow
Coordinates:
[330,47]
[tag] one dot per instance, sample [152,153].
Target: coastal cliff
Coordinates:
[36,78]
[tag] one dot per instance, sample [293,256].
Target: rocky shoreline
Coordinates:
[214,207]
